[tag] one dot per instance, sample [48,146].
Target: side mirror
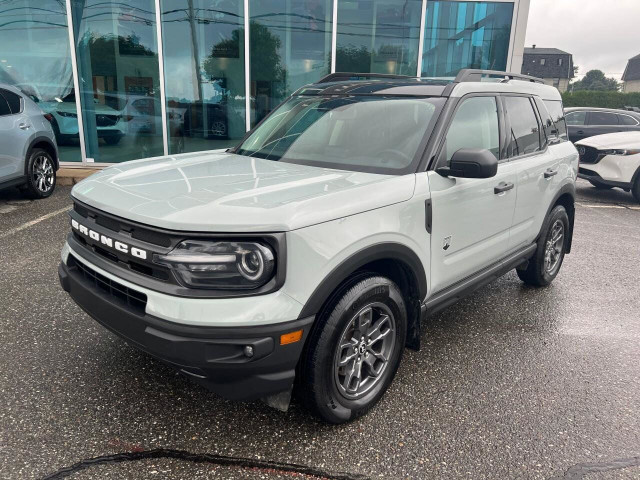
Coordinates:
[471,163]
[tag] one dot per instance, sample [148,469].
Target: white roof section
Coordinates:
[546,92]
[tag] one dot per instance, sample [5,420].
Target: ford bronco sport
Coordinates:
[313,249]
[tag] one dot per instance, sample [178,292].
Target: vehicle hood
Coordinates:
[223,192]
[622,140]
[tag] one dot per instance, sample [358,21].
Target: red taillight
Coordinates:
[48,116]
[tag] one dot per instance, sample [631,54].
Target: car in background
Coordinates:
[28,149]
[611,160]
[584,122]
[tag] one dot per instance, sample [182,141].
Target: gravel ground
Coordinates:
[512,382]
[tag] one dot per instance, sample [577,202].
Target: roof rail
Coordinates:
[473,75]
[340,76]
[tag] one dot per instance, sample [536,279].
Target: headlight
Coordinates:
[220,265]
[623,152]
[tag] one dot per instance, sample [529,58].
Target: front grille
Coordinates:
[590,155]
[125,296]
[107,120]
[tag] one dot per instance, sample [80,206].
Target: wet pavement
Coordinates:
[512,382]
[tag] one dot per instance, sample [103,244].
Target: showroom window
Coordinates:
[380,36]
[290,47]
[204,58]
[117,60]
[465,35]
[35,57]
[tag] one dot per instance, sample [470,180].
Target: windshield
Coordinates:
[362,133]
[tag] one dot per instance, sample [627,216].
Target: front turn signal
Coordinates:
[292,337]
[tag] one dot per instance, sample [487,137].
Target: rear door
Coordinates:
[470,220]
[600,123]
[15,132]
[528,126]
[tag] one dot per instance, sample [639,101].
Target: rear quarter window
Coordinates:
[557,115]
[4,107]
[627,120]
[14,101]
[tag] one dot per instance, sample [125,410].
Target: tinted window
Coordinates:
[4,107]
[557,115]
[550,131]
[525,131]
[474,125]
[576,118]
[13,100]
[603,118]
[627,120]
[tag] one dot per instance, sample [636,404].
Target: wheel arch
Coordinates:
[47,145]
[393,260]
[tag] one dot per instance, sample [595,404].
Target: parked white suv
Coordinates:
[611,160]
[314,248]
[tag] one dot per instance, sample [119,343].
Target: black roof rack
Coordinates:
[473,75]
[341,76]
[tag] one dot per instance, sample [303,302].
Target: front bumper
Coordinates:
[212,356]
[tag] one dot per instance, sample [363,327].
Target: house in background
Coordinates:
[553,66]
[631,76]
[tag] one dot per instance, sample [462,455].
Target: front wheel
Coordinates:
[547,260]
[355,350]
[41,174]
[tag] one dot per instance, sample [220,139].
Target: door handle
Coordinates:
[580,132]
[502,187]
[550,172]
[23,126]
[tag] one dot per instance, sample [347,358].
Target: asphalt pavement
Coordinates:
[512,382]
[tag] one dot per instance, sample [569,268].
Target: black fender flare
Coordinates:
[372,253]
[35,141]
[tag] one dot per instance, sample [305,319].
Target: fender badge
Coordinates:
[446,243]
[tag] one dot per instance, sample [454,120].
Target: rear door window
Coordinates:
[13,100]
[576,118]
[524,137]
[627,120]
[548,126]
[602,118]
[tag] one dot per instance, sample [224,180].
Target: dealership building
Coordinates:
[142,78]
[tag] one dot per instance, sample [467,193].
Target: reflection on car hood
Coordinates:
[620,140]
[223,192]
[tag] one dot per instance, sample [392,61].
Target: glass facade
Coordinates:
[224,68]
[35,56]
[379,36]
[205,77]
[290,47]
[465,35]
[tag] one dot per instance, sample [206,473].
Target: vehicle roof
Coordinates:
[598,109]
[13,89]
[427,87]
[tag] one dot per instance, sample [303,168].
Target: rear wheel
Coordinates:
[547,260]
[600,186]
[354,352]
[41,174]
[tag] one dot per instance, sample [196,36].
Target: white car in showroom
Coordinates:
[611,160]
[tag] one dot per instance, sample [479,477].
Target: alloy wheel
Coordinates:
[364,350]
[554,248]
[43,173]
[219,128]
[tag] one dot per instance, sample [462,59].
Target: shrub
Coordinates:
[601,99]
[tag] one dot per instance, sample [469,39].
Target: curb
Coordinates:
[71,176]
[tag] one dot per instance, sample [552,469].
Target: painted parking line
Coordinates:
[606,205]
[33,222]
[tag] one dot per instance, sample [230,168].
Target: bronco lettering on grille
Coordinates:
[109,242]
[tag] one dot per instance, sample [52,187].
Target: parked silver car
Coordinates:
[28,150]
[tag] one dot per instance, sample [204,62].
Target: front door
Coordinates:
[471,219]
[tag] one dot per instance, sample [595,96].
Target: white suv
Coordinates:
[314,249]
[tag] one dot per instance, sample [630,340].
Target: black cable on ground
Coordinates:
[202,458]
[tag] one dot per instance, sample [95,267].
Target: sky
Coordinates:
[601,34]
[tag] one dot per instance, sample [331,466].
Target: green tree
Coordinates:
[596,80]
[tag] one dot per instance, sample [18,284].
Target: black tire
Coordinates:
[113,140]
[635,190]
[538,272]
[600,186]
[318,369]
[41,174]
